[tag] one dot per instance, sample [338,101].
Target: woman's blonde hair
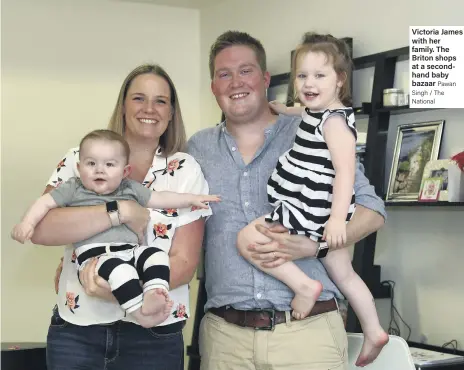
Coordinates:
[174,138]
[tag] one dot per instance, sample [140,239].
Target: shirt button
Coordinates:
[245,174]
[247,204]
[234,148]
[259,295]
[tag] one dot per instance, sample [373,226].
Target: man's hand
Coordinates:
[284,247]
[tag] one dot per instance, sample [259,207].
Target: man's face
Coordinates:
[239,84]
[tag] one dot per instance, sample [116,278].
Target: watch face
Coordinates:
[112,206]
[322,252]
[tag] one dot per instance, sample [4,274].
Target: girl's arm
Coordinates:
[280,108]
[341,143]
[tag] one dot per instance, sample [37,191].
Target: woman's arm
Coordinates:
[185,252]
[58,227]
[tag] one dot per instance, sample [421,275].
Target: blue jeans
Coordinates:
[117,346]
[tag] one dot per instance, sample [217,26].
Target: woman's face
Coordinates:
[147,107]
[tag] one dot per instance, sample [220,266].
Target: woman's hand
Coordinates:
[58,274]
[94,285]
[283,247]
[135,217]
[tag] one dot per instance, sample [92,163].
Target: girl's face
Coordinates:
[317,83]
[147,107]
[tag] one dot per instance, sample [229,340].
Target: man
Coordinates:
[248,323]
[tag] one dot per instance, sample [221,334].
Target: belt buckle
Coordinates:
[271,313]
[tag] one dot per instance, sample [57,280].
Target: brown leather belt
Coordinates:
[266,319]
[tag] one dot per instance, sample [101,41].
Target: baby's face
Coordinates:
[102,165]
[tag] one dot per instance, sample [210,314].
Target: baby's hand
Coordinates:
[335,232]
[22,232]
[201,201]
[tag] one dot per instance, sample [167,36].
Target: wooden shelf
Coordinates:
[389,203]
[404,109]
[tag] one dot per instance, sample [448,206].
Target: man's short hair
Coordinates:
[236,38]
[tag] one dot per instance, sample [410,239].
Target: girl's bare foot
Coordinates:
[305,298]
[372,345]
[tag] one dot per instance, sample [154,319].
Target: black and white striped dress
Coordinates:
[300,187]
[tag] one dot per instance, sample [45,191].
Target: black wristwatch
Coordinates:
[113,211]
[322,251]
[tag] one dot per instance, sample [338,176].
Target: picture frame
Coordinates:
[415,145]
[438,169]
[430,190]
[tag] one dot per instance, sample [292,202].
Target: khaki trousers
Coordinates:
[315,343]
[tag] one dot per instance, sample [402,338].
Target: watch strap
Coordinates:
[113,212]
[114,218]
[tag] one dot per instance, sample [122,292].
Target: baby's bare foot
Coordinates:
[305,298]
[372,345]
[155,309]
[154,301]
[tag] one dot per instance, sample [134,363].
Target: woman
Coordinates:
[88,332]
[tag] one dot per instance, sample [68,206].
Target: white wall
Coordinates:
[62,67]
[421,249]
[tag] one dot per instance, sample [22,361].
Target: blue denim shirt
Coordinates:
[230,279]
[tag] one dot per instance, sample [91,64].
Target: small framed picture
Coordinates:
[430,191]
[438,169]
[416,144]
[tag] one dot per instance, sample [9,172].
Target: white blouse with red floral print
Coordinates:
[177,173]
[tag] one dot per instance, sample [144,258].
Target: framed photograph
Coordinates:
[416,144]
[438,169]
[280,89]
[430,191]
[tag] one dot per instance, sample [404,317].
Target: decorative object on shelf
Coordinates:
[416,144]
[437,169]
[456,178]
[430,189]
[393,97]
